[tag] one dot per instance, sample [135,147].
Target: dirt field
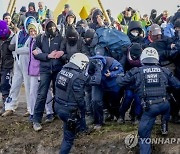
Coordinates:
[18,137]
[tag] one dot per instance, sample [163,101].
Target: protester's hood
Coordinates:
[70,13]
[99,57]
[32,4]
[153,14]
[134,25]
[28,21]
[94,15]
[46,23]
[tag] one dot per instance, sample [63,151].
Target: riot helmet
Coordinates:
[149,56]
[80,60]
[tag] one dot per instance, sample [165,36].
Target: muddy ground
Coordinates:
[18,137]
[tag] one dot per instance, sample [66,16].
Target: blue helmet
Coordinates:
[28,21]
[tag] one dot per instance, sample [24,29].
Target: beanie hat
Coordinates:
[135,50]
[23,9]
[134,55]
[66,6]
[4,29]
[31,4]
[89,33]
[34,26]
[71,32]
[6,14]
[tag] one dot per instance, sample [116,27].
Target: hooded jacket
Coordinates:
[93,49]
[34,64]
[94,25]
[70,13]
[108,64]
[135,25]
[6,57]
[70,49]
[34,13]
[47,45]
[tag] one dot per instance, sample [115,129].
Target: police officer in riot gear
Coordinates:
[151,82]
[69,98]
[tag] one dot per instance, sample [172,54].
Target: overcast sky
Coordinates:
[116,6]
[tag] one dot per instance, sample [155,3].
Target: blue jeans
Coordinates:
[129,96]
[45,80]
[88,98]
[65,113]
[147,122]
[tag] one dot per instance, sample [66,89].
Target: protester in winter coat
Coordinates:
[162,18]
[97,19]
[153,15]
[72,43]
[21,17]
[6,61]
[130,97]
[169,29]
[135,32]
[126,17]
[104,71]
[21,55]
[47,50]
[32,11]
[175,107]
[44,12]
[12,27]
[62,17]
[33,71]
[91,47]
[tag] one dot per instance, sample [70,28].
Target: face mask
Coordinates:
[72,41]
[88,41]
[134,33]
[52,32]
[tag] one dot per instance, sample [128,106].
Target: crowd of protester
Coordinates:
[34,48]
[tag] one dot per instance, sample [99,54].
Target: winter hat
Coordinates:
[135,50]
[31,4]
[177,23]
[89,33]
[155,29]
[66,6]
[71,32]
[4,29]
[6,14]
[23,9]
[34,26]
